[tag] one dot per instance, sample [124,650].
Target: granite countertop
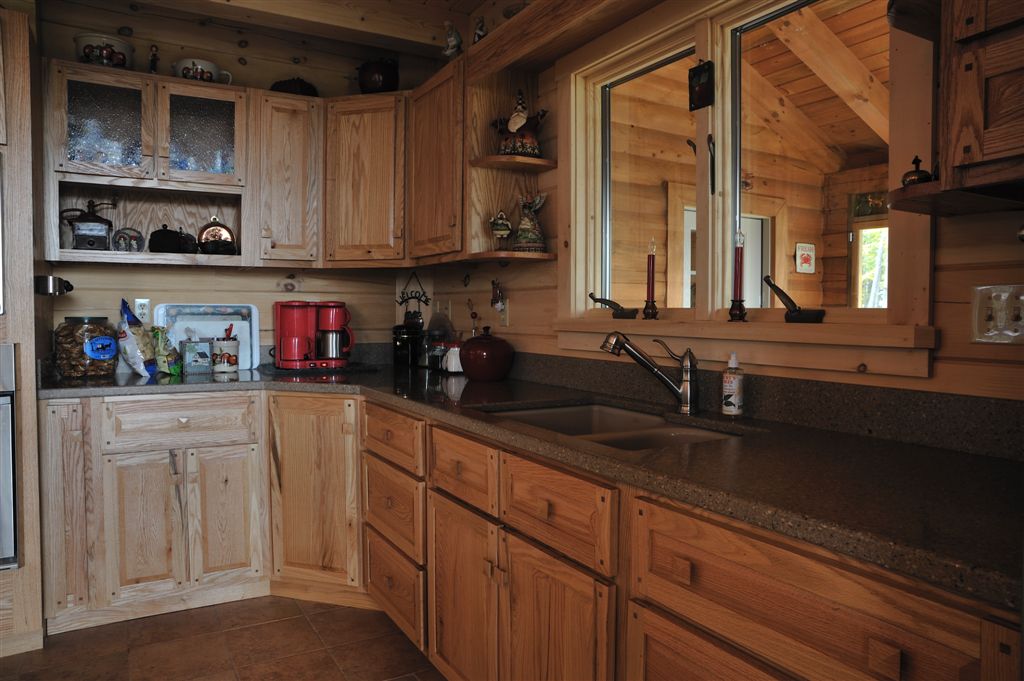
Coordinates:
[949,518]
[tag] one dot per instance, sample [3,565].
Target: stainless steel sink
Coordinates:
[586,419]
[655,438]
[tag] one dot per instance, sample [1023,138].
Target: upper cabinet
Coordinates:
[201,133]
[102,123]
[435,170]
[971,18]
[365,179]
[289,181]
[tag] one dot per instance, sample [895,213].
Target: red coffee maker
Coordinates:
[311,335]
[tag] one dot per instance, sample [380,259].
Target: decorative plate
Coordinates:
[129,240]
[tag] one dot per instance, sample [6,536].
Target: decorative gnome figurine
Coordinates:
[452,41]
[501,228]
[519,131]
[528,237]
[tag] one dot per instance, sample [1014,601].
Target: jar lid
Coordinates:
[86,320]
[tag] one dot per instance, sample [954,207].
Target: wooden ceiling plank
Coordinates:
[407,25]
[837,66]
[774,111]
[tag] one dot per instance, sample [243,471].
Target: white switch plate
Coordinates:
[505,314]
[997,314]
[143,310]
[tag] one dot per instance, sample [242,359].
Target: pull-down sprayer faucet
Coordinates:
[686,392]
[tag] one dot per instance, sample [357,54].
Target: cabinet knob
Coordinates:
[388,582]
[182,420]
[458,469]
[388,435]
[389,502]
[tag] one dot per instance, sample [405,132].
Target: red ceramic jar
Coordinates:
[486,357]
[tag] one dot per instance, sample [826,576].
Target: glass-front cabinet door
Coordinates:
[107,126]
[201,133]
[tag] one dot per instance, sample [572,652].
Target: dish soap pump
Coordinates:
[732,388]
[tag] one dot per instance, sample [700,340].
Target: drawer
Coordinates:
[573,515]
[809,616]
[394,505]
[395,437]
[178,422]
[397,584]
[659,647]
[465,468]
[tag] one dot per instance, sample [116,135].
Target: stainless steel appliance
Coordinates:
[8,505]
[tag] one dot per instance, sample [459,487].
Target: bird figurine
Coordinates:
[529,238]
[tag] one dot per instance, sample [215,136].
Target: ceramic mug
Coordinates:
[202,70]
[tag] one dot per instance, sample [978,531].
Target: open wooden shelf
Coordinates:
[505,256]
[525,164]
[146,258]
[928,199]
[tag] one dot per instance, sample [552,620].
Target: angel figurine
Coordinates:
[529,238]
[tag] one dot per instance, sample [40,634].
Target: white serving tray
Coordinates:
[185,320]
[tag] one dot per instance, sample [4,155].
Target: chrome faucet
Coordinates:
[685,392]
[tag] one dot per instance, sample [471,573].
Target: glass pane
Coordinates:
[872,267]
[104,124]
[202,135]
[649,193]
[808,144]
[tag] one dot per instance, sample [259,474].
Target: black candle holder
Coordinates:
[737,312]
[650,309]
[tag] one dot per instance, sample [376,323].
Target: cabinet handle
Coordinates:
[458,469]
[884,659]
[451,225]
[545,509]
[182,420]
[389,502]
[388,435]
[388,582]
[489,568]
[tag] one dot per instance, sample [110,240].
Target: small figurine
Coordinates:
[480,31]
[501,228]
[520,130]
[154,57]
[529,238]
[452,40]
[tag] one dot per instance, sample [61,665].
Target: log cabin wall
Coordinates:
[835,249]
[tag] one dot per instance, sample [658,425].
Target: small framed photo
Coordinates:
[196,356]
[805,258]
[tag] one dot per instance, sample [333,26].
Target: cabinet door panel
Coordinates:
[663,649]
[974,17]
[435,164]
[315,489]
[144,524]
[223,509]
[365,179]
[201,133]
[463,591]
[291,176]
[558,622]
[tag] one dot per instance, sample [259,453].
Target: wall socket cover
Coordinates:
[143,310]
[997,314]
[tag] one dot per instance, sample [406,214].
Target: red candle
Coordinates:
[650,272]
[737,273]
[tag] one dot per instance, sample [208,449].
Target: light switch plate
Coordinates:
[997,314]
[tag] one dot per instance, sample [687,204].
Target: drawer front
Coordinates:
[395,437]
[659,648]
[179,422]
[394,504]
[573,515]
[465,468]
[397,584]
[735,586]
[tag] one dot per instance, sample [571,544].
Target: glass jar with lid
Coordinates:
[85,347]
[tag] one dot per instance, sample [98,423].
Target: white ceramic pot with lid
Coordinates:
[201,69]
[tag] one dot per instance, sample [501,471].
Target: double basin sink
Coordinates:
[613,426]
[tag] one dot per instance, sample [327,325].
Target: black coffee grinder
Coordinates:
[406,339]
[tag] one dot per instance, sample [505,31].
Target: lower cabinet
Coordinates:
[314,494]
[136,533]
[495,596]
[662,648]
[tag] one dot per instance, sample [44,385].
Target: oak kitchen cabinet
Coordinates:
[289,192]
[133,530]
[314,495]
[364,193]
[435,163]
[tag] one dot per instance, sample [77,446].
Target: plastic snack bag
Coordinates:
[135,343]
[168,359]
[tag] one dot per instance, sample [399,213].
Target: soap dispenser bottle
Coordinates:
[732,388]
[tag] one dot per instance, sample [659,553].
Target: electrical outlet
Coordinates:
[997,314]
[142,310]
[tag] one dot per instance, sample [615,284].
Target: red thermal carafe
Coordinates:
[311,335]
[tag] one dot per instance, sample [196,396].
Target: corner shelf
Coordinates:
[927,198]
[524,164]
[505,256]
[147,258]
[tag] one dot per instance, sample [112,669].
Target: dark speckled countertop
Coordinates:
[950,518]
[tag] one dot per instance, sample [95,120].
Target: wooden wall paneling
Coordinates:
[365,179]
[270,53]
[99,289]
[290,185]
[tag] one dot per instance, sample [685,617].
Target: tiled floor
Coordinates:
[261,639]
